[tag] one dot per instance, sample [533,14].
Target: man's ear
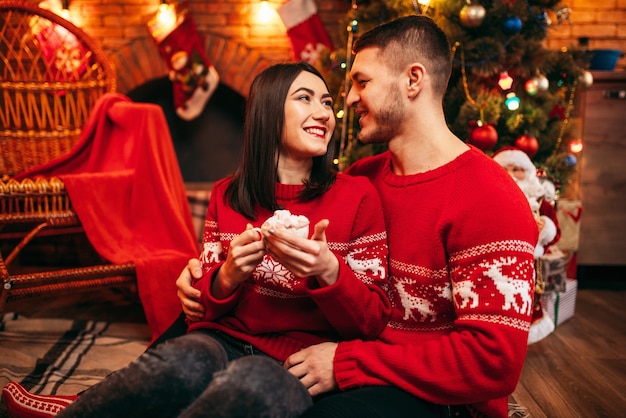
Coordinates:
[415,74]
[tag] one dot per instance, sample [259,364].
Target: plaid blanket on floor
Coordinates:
[62,356]
[65,357]
[198,195]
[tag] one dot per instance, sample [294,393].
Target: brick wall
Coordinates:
[120,26]
[602,21]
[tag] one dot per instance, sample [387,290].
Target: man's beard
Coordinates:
[387,120]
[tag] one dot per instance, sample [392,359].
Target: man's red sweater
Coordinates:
[461,242]
[280,313]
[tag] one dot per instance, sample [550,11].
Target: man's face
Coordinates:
[375,95]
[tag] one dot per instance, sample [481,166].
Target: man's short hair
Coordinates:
[408,39]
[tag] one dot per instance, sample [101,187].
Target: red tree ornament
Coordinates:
[483,136]
[528,144]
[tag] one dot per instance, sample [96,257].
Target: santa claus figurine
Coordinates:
[540,195]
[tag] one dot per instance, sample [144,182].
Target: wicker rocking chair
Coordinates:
[51,74]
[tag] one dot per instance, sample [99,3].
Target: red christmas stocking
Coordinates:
[305,30]
[193,76]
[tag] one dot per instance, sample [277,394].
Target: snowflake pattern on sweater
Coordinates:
[273,274]
[281,313]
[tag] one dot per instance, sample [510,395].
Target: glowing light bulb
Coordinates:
[512,102]
[531,87]
[65,14]
[576,146]
[59,7]
[166,16]
[425,4]
[506,81]
[265,13]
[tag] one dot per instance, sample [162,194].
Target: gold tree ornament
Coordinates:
[472,15]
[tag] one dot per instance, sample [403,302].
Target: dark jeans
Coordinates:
[367,402]
[178,328]
[379,402]
[193,376]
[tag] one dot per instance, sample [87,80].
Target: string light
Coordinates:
[531,87]
[164,21]
[506,81]
[166,15]
[421,6]
[265,13]
[346,122]
[59,7]
[65,11]
[468,97]
[576,146]
[512,102]
[568,109]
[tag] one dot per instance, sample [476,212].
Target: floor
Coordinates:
[577,371]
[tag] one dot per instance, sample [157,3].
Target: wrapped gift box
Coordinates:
[560,306]
[553,270]
[568,213]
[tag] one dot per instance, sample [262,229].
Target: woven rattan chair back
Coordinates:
[51,75]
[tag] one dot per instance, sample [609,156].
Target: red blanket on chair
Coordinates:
[125,184]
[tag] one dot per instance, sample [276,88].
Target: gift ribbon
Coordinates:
[556,309]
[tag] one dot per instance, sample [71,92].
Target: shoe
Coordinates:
[20,403]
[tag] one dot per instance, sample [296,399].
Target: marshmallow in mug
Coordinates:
[284,220]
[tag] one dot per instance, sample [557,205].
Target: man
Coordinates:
[461,242]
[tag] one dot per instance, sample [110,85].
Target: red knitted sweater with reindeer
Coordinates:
[461,243]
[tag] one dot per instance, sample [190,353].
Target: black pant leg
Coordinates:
[373,402]
[178,328]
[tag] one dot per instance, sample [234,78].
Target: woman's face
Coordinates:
[309,118]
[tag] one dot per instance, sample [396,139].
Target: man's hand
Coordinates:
[190,296]
[314,367]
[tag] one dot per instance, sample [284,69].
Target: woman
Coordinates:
[266,299]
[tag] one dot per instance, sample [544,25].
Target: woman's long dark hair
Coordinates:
[254,181]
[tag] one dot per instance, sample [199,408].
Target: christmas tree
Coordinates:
[507,88]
